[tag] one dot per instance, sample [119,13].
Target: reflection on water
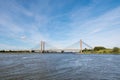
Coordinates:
[59,67]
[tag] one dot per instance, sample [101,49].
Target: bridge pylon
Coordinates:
[42,46]
[80,46]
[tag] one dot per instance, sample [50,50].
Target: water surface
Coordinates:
[36,66]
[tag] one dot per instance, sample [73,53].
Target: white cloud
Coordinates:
[87,30]
[80,26]
[105,21]
[23,37]
[10,47]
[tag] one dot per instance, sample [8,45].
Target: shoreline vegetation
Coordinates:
[102,50]
[95,50]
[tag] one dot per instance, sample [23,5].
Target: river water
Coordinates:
[36,66]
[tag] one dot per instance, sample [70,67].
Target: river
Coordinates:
[36,66]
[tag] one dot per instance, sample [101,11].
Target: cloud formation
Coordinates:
[59,22]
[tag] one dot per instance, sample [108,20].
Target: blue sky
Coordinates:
[24,23]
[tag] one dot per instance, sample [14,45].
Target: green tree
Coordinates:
[115,50]
[99,48]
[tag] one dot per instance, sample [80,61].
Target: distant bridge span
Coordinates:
[43,48]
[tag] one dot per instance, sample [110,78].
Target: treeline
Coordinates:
[100,49]
[14,51]
[28,51]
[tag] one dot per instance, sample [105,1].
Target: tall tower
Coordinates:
[80,46]
[42,46]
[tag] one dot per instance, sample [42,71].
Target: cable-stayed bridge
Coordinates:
[78,46]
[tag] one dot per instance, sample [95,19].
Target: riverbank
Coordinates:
[102,50]
[96,50]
